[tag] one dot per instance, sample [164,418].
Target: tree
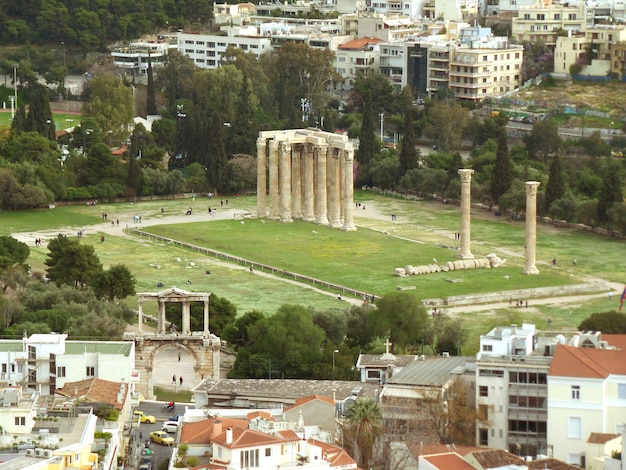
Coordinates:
[502,177]
[71,263]
[39,114]
[175,77]
[111,105]
[367,138]
[151,91]
[543,140]
[363,427]
[610,193]
[400,317]
[606,322]
[238,333]
[12,252]
[445,124]
[408,152]
[117,282]
[445,334]
[555,189]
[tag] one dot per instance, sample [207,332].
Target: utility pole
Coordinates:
[382,121]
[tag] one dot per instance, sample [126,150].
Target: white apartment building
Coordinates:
[45,362]
[206,50]
[586,393]
[135,56]
[358,55]
[494,7]
[539,22]
[18,409]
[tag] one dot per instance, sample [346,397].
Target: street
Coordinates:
[159,452]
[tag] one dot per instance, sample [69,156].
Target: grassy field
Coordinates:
[60,119]
[364,259]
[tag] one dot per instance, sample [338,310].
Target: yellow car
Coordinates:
[144,418]
[161,437]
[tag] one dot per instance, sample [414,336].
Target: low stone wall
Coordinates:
[519,294]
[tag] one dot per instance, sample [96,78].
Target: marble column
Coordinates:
[466,213]
[140,315]
[309,188]
[261,178]
[333,188]
[348,190]
[161,315]
[206,318]
[285,182]
[321,216]
[531,227]
[296,181]
[274,210]
[186,322]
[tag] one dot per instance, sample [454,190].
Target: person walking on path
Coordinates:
[174,379]
[181,380]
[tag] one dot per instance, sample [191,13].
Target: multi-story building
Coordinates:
[586,393]
[358,55]
[18,410]
[511,387]
[45,362]
[135,57]
[546,22]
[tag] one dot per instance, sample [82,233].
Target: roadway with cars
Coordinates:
[158,452]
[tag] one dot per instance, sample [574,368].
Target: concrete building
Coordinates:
[135,56]
[45,362]
[546,22]
[586,393]
[357,56]
[18,410]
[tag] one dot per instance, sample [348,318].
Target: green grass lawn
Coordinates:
[60,119]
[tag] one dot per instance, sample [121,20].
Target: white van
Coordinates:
[170,426]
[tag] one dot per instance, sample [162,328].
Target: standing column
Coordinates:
[320,192]
[309,188]
[161,327]
[296,182]
[261,178]
[332,187]
[274,211]
[531,227]
[206,317]
[186,326]
[285,182]
[140,315]
[348,190]
[466,200]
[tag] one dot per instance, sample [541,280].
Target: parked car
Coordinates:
[170,426]
[175,417]
[144,418]
[25,446]
[161,437]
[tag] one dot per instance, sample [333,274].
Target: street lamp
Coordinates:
[180,115]
[334,351]
[87,132]
[64,69]
[227,126]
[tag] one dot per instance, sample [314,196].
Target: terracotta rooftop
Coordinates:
[336,456]
[551,464]
[618,341]
[492,458]
[259,414]
[303,400]
[243,437]
[418,448]
[95,391]
[570,361]
[359,43]
[201,432]
[601,437]
[448,461]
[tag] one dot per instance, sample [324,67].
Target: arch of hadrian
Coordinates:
[203,346]
[308,174]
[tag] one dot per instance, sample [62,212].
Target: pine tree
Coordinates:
[502,169]
[367,140]
[610,193]
[408,152]
[19,120]
[555,189]
[39,114]
[244,131]
[135,176]
[151,92]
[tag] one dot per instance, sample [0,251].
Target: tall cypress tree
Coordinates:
[408,152]
[39,114]
[555,189]
[367,139]
[502,169]
[151,93]
[610,193]
[19,120]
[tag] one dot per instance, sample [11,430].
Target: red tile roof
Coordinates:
[201,432]
[552,464]
[418,448]
[491,458]
[95,391]
[289,435]
[303,400]
[259,414]
[243,437]
[358,43]
[449,461]
[618,341]
[335,456]
[570,361]
[601,437]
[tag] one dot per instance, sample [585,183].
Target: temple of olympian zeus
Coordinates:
[202,346]
[531,221]
[309,173]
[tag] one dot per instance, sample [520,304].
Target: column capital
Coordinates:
[273,145]
[531,187]
[260,143]
[349,155]
[286,146]
[466,175]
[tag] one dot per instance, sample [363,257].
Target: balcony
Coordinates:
[455,73]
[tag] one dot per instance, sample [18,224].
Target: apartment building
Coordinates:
[135,57]
[546,22]
[357,56]
[586,393]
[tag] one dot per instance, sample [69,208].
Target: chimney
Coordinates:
[229,436]
[217,428]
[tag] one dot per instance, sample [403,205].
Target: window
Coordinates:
[61,371]
[572,16]
[483,437]
[541,17]
[557,16]
[20,420]
[575,392]
[526,16]
[490,372]
[32,352]
[487,347]
[268,452]
[483,391]
[574,427]
[621,391]
[483,412]
[249,458]
[90,371]
[4,368]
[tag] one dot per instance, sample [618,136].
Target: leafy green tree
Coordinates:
[445,334]
[555,189]
[400,317]
[564,208]
[134,177]
[606,322]
[39,114]
[587,213]
[164,134]
[445,123]
[175,78]
[543,140]
[610,193]
[242,173]
[19,121]
[334,323]
[617,217]
[408,152]
[114,283]
[238,333]
[378,87]
[71,263]
[151,91]
[367,139]
[111,105]
[363,428]
[222,312]
[358,334]
[588,182]
[244,130]
[502,176]
[101,165]
[12,252]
